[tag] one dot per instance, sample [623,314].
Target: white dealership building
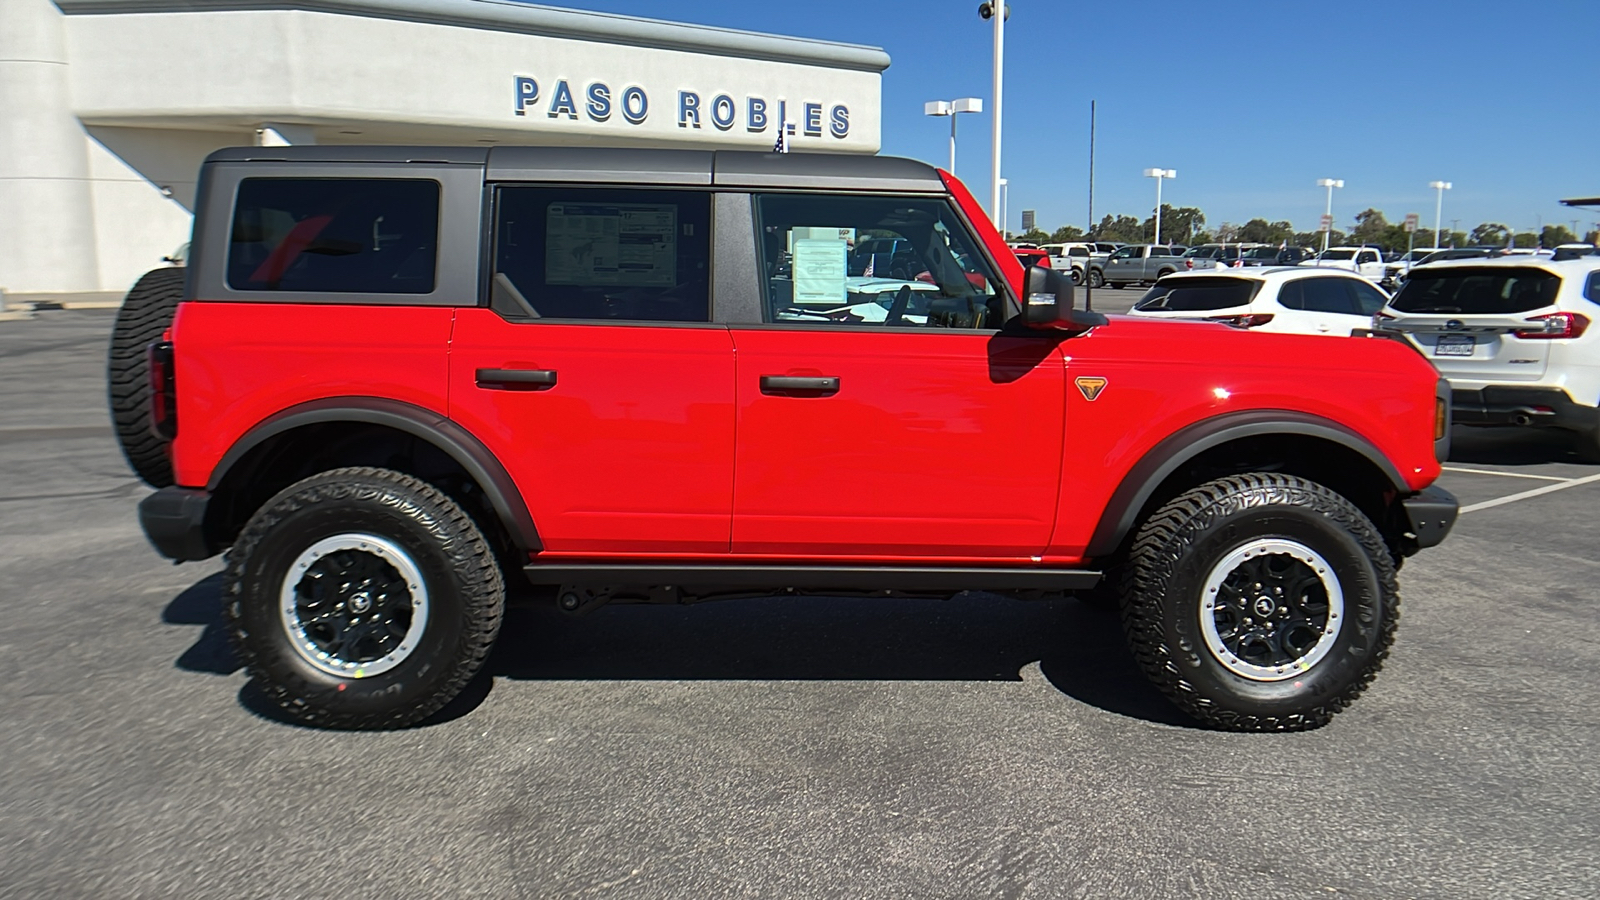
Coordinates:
[107,107]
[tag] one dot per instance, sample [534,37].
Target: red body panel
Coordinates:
[631,451]
[1164,376]
[240,363]
[914,456]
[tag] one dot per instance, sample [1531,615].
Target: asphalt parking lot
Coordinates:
[778,748]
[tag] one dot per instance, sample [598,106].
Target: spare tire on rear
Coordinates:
[145,314]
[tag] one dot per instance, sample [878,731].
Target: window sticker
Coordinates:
[632,245]
[819,270]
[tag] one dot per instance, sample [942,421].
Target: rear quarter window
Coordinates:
[335,235]
[1477,291]
[1198,295]
[1591,289]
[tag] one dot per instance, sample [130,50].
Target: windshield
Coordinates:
[1481,291]
[1262,253]
[1198,294]
[1203,252]
[1337,254]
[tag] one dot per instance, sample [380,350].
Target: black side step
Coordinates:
[908,578]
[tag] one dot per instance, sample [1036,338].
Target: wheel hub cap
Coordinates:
[1271,609]
[354,605]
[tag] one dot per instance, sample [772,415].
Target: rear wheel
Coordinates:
[362,598]
[1260,602]
[145,314]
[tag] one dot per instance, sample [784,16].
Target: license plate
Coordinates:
[1454,345]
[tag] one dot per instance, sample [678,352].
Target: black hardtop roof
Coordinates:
[723,168]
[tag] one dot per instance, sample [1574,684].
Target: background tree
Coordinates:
[1177,225]
[1313,239]
[1066,234]
[1525,239]
[1592,237]
[1555,235]
[1119,228]
[1490,233]
[1260,231]
[1034,237]
[1371,228]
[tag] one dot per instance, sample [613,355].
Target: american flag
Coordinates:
[782,144]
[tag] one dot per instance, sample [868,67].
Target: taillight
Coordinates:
[163,391]
[1188,264]
[1556,325]
[1249,321]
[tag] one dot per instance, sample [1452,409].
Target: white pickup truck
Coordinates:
[1364,261]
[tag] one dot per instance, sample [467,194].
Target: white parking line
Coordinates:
[1506,474]
[1547,489]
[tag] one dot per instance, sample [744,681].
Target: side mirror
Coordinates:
[1047,303]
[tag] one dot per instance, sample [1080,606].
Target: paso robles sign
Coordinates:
[599,102]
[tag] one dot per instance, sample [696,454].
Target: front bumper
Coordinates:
[1509,405]
[174,519]
[1431,513]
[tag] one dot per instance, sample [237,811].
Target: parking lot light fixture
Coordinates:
[1438,209]
[1330,184]
[1159,175]
[952,108]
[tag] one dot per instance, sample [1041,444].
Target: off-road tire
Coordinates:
[1176,549]
[145,314]
[465,597]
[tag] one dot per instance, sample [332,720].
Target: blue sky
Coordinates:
[1251,102]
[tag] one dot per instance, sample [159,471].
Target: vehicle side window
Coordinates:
[604,253]
[1327,295]
[1368,299]
[1367,257]
[1078,251]
[335,235]
[815,275]
[1126,253]
[1291,296]
[1591,289]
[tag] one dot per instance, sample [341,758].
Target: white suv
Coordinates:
[1292,300]
[1513,337]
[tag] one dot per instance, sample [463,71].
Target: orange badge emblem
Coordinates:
[1091,386]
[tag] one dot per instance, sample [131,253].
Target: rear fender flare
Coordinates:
[445,434]
[1122,511]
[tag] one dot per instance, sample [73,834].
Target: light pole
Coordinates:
[1158,175]
[952,108]
[1330,184]
[1438,209]
[1004,192]
[986,10]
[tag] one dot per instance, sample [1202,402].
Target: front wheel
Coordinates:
[1097,278]
[362,598]
[1260,602]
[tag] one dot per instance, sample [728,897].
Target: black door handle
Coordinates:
[789,385]
[516,379]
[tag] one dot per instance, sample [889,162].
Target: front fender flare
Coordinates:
[1122,511]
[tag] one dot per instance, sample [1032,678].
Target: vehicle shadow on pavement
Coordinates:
[971,637]
[1512,446]
[201,604]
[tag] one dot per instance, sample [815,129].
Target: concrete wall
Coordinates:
[107,113]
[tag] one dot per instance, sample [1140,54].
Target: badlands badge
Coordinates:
[1091,386]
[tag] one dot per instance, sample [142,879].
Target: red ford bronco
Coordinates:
[394,382]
